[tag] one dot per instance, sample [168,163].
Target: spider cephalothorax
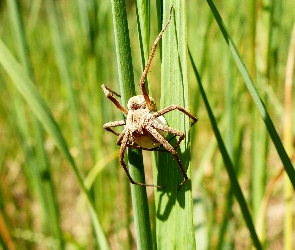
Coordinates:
[139,118]
[138,102]
[145,127]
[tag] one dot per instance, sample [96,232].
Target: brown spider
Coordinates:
[145,127]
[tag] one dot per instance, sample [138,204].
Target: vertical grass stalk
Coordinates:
[228,164]
[143,24]
[260,140]
[256,97]
[136,168]
[38,167]
[289,192]
[65,74]
[174,214]
[39,108]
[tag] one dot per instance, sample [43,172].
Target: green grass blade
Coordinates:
[37,163]
[260,66]
[228,209]
[126,79]
[288,141]
[143,23]
[38,171]
[31,95]
[65,74]
[39,108]
[174,213]
[228,163]
[255,95]
[20,40]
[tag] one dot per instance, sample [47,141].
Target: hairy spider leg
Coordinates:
[109,94]
[158,148]
[168,146]
[123,139]
[152,54]
[173,107]
[107,88]
[150,149]
[120,137]
[108,126]
[172,131]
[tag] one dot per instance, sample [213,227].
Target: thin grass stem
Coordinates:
[127,87]
[228,164]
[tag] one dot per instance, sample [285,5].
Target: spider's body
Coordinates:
[145,127]
[139,118]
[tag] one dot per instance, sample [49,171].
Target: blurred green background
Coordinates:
[67,50]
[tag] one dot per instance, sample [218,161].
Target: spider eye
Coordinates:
[138,102]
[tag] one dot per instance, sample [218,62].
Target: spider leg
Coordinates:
[130,145]
[145,72]
[110,95]
[147,149]
[120,137]
[170,130]
[125,138]
[158,148]
[108,89]
[108,126]
[168,146]
[173,107]
[155,149]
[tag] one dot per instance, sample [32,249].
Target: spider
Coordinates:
[145,127]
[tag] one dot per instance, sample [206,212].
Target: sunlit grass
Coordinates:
[54,149]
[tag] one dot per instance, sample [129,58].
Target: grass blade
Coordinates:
[143,20]
[288,191]
[64,71]
[136,168]
[39,167]
[228,164]
[39,108]
[255,95]
[174,213]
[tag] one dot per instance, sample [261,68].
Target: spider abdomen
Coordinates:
[138,121]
